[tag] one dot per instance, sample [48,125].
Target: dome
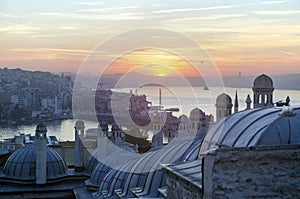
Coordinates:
[184,119]
[142,177]
[263,81]
[224,101]
[41,127]
[21,165]
[103,125]
[103,167]
[256,127]
[115,127]
[196,114]
[79,124]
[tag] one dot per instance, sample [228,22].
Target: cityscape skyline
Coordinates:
[249,36]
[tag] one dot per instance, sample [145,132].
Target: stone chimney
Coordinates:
[41,153]
[248,102]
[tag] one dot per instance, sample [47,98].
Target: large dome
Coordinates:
[224,101]
[256,127]
[263,81]
[21,165]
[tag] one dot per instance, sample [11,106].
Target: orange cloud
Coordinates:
[154,62]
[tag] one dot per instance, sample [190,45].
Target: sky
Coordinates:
[250,36]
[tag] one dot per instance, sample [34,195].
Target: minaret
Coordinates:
[248,102]
[236,103]
[41,153]
[79,133]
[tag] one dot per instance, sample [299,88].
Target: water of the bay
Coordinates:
[183,98]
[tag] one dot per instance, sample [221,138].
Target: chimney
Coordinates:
[79,133]
[41,153]
[248,102]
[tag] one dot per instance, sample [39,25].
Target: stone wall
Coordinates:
[262,172]
[180,188]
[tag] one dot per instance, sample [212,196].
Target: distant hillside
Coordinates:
[285,82]
[289,81]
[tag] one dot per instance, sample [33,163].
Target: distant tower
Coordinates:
[117,134]
[236,103]
[102,145]
[183,125]
[248,102]
[263,92]
[158,124]
[79,133]
[197,117]
[223,106]
[41,153]
[171,125]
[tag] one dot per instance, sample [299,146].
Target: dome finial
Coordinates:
[79,125]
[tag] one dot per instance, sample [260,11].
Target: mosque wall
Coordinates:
[181,188]
[67,153]
[262,172]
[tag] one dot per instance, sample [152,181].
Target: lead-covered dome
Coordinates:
[21,165]
[263,81]
[256,127]
[224,100]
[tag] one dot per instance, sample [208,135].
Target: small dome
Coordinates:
[21,165]
[103,125]
[263,81]
[196,114]
[224,101]
[184,119]
[115,127]
[79,125]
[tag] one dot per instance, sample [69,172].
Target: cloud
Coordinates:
[210,17]
[107,17]
[287,53]
[200,9]
[272,2]
[18,29]
[89,3]
[109,9]
[7,15]
[48,50]
[278,12]
[68,28]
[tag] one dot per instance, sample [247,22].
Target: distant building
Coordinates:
[223,106]
[263,92]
